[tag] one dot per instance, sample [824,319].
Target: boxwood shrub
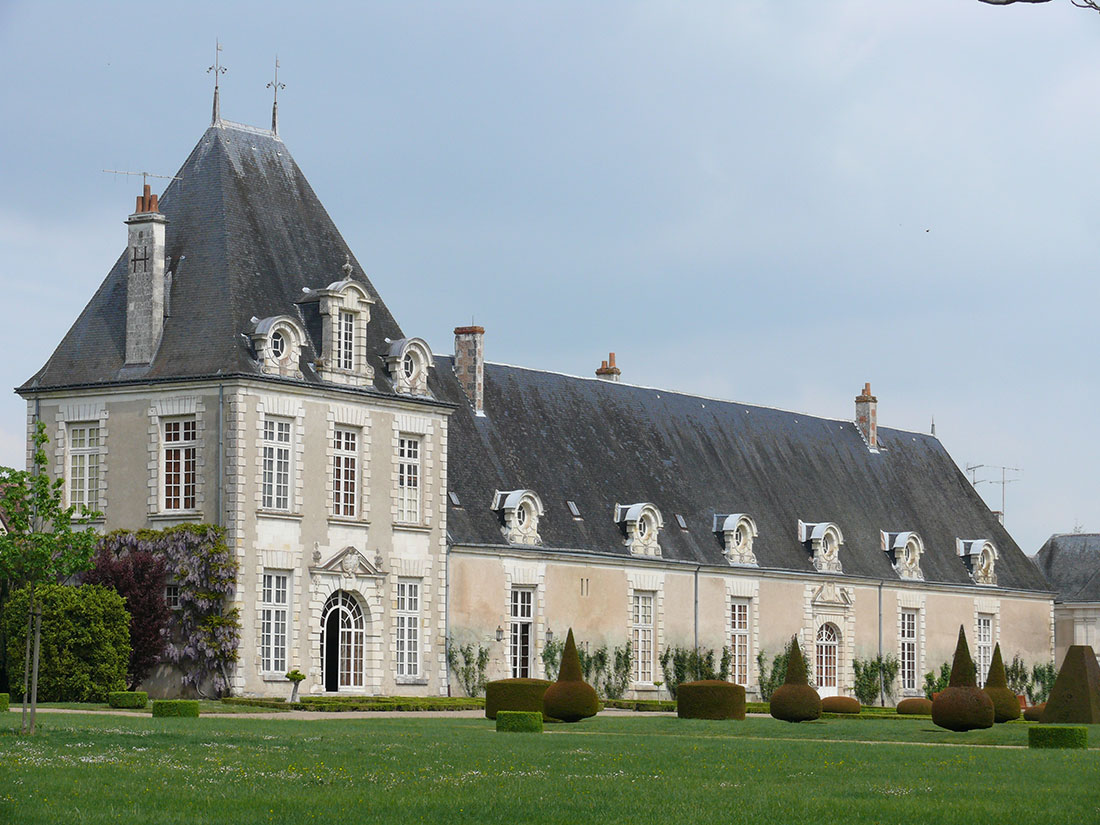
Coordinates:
[710,699]
[127,698]
[915,707]
[1035,712]
[514,694]
[1006,706]
[176,707]
[963,705]
[840,704]
[519,721]
[795,700]
[1049,736]
[570,699]
[3,703]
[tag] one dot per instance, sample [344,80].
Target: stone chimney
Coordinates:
[145,280]
[607,371]
[867,416]
[470,364]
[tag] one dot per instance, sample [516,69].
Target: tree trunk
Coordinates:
[34,678]
[27,670]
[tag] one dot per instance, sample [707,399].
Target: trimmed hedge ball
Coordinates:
[710,699]
[570,701]
[795,700]
[519,721]
[1035,712]
[962,709]
[176,707]
[840,704]
[915,707]
[514,694]
[1057,737]
[127,698]
[3,703]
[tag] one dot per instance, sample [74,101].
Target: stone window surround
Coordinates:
[419,570]
[295,335]
[179,406]
[349,417]
[421,353]
[406,424]
[647,582]
[909,600]
[367,591]
[728,525]
[287,408]
[531,575]
[971,551]
[344,296]
[278,561]
[90,412]
[824,540]
[631,518]
[984,606]
[831,603]
[745,590]
[509,504]
[898,547]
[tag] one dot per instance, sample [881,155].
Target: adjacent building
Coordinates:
[1071,562]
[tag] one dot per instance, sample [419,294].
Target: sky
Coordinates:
[767,202]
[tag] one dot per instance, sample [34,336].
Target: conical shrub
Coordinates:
[570,699]
[795,700]
[1075,697]
[962,705]
[1006,706]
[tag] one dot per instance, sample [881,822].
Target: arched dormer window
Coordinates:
[738,531]
[980,556]
[905,550]
[823,539]
[519,511]
[408,361]
[641,525]
[338,315]
[278,344]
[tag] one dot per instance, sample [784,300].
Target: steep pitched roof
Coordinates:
[246,233]
[598,443]
[1071,561]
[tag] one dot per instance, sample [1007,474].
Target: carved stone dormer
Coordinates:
[338,316]
[980,557]
[823,539]
[641,525]
[278,343]
[408,361]
[737,531]
[904,550]
[519,512]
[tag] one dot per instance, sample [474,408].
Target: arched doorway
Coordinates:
[343,640]
[828,638]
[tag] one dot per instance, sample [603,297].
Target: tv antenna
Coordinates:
[1004,480]
[144,175]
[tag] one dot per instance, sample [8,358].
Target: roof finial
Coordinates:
[347,267]
[276,85]
[933,425]
[217,69]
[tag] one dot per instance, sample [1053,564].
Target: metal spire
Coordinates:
[217,69]
[933,425]
[276,85]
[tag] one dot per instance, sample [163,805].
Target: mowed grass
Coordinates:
[92,768]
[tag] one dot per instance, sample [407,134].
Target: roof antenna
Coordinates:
[933,426]
[217,69]
[276,85]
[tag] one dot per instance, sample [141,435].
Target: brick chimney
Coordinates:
[145,279]
[470,364]
[607,371]
[867,416]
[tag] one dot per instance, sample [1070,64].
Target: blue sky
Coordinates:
[768,202]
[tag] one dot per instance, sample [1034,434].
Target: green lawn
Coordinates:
[97,768]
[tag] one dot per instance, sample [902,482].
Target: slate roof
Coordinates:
[246,232]
[599,443]
[1071,561]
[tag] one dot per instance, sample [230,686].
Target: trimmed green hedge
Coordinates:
[127,698]
[840,704]
[915,707]
[1035,712]
[514,694]
[176,707]
[1075,697]
[710,699]
[1042,736]
[962,705]
[3,703]
[795,700]
[570,699]
[519,721]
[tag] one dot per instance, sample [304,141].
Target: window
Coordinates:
[345,351]
[172,596]
[408,479]
[278,345]
[273,623]
[84,443]
[180,450]
[908,650]
[522,611]
[345,461]
[276,470]
[739,642]
[408,629]
[642,636]
[827,637]
[343,642]
[408,365]
[985,646]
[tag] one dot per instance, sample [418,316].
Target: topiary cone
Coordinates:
[570,699]
[795,700]
[962,705]
[1006,706]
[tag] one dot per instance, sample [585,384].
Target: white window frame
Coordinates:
[408,628]
[643,605]
[273,621]
[827,657]
[83,464]
[345,340]
[278,465]
[740,640]
[410,448]
[908,648]
[521,635]
[983,646]
[172,596]
[179,449]
[345,472]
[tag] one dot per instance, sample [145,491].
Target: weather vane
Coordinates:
[276,85]
[217,69]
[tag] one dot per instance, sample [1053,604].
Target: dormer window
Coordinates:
[519,512]
[737,532]
[823,539]
[345,354]
[408,361]
[905,550]
[278,346]
[980,556]
[641,524]
[278,343]
[337,317]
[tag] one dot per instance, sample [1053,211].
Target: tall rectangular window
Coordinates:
[408,629]
[641,638]
[985,646]
[273,623]
[908,663]
[408,479]
[523,600]
[739,642]
[180,452]
[276,469]
[84,445]
[345,464]
[345,353]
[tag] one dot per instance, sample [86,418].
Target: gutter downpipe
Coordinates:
[221,451]
[447,612]
[697,569]
[881,686]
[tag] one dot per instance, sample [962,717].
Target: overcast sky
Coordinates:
[770,202]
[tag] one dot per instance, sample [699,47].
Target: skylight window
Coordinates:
[681,522]
[572,505]
[454,498]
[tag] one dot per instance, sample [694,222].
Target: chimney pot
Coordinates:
[607,370]
[867,416]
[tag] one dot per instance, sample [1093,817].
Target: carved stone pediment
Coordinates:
[832,595]
[349,562]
